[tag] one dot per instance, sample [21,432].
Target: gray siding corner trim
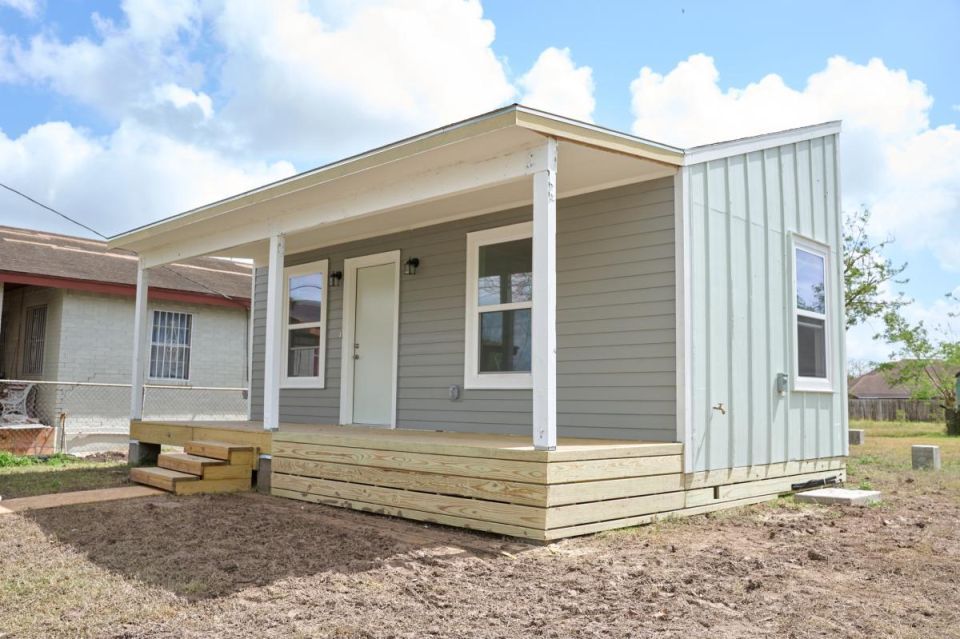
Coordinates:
[743,210]
[616,324]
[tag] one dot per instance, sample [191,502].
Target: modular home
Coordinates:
[530,325]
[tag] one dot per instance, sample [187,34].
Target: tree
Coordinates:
[859,367]
[927,364]
[866,270]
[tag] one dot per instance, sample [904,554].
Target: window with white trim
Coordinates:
[34,340]
[812,312]
[499,307]
[305,324]
[170,345]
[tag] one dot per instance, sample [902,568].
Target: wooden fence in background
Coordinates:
[891,410]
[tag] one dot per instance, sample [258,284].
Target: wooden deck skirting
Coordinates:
[500,484]
[495,483]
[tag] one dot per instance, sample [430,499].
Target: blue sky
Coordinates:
[124,113]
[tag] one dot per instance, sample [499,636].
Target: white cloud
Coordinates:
[307,83]
[29,8]
[893,161]
[184,99]
[556,84]
[116,71]
[117,182]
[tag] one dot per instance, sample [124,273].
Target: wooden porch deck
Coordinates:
[493,483]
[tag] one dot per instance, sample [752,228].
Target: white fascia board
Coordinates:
[339,168]
[419,188]
[708,152]
[593,128]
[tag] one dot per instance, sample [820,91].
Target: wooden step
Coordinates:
[162,478]
[228,471]
[187,463]
[235,454]
[213,486]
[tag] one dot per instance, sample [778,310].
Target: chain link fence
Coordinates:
[91,417]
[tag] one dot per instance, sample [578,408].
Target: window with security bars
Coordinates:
[170,345]
[34,339]
[4,322]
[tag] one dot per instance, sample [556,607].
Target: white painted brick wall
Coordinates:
[97,336]
[95,346]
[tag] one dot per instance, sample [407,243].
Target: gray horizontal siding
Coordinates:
[615,324]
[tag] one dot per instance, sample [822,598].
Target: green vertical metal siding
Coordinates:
[741,213]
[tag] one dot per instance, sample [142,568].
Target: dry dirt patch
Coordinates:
[248,565]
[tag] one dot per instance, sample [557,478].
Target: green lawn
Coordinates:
[24,476]
[884,460]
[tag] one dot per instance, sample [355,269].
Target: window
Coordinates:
[4,322]
[499,308]
[170,345]
[305,324]
[34,338]
[812,309]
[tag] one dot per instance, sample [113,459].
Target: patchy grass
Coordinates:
[8,459]
[884,463]
[27,476]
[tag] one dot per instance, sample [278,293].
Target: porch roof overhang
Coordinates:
[457,171]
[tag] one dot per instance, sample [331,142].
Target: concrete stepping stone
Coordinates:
[842,496]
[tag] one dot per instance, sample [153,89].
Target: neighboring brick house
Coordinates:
[66,316]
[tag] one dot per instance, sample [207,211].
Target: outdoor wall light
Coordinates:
[335,278]
[410,268]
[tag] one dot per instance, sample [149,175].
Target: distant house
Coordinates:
[873,397]
[66,327]
[876,384]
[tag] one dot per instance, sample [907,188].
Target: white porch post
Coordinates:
[139,342]
[544,326]
[273,359]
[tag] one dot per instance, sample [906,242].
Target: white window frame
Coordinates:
[321,266]
[151,344]
[812,384]
[472,377]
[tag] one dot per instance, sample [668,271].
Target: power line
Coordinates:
[104,237]
[53,210]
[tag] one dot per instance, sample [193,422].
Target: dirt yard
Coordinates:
[248,565]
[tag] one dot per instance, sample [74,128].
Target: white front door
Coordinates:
[371,327]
